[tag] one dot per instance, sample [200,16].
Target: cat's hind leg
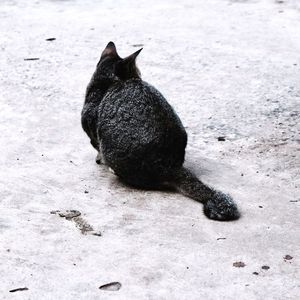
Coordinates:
[99,158]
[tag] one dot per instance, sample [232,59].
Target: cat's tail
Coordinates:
[217,205]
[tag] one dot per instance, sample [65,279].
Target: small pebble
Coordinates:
[265,267]
[239,264]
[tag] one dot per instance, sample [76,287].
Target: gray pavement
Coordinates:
[230,69]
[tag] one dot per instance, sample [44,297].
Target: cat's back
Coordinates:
[136,104]
[140,133]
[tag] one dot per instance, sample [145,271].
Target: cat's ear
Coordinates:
[126,68]
[131,58]
[110,50]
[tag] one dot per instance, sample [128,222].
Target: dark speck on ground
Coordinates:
[239,264]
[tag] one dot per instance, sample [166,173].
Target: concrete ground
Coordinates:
[230,69]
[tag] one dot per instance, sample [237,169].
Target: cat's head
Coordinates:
[112,66]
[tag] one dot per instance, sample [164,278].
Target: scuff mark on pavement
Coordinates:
[81,223]
[19,290]
[112,286]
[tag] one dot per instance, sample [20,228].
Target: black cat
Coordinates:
[139,136]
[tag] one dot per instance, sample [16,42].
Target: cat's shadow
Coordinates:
[208,170]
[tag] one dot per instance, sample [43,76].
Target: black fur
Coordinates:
[139,136]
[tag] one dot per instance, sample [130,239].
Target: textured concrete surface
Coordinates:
[230,69]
